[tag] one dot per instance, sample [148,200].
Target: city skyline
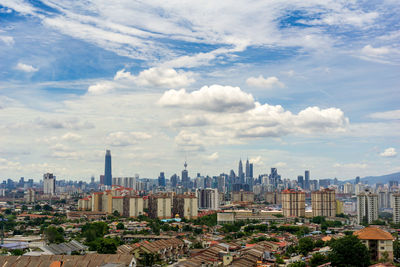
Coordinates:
[291,85]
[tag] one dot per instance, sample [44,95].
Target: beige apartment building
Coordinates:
[242,196]
[160,206]
[323,203]
[185,206]
[293,203]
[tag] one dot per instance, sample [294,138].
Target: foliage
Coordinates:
[17,252]
[209,220]
[47,207]
[263,238]
[318,259]
[54,234]
[116,213]
[120,226]
[279,259]
[235,227]
[306,244]
[298,264]
[396,249]
[92,231]
[256,228]
[349,251]
[107,246]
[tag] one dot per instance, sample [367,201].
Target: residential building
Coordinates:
[293,203]
[242,196]
[135,206]
[367,207]
[186,206]
[30,195]
[49,184]
[323,203]
[378,241]
[207,198]
[160,206]
[396,207]
[273,197]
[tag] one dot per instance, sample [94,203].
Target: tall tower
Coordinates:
[185,177]
[307,180]
[240,172]
[107,169]
[247,168]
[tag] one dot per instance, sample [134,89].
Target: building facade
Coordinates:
[323,203]
[367,207]
[49,184]
[186,206]
[293,203]
[207,198]
[160,206]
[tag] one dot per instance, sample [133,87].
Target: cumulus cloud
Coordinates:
[189,141]
[216,98]
[126,138]
[386,115]
[368,50]
[26,68]
[8,40]
[164,77]
[71,137]
[213,156]
[6,164]
[389,153]
[256,161]
[262,82]
[101,88]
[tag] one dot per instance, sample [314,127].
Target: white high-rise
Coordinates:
[207,198]
[49,184]
[396,207]
[367,207]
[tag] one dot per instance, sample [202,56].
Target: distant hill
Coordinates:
[382,179]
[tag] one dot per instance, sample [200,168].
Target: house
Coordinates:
[378,241]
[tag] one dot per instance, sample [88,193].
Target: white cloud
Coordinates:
[126,138]
[101,88]
[262,82]
[8,40]
[256,161]
[389,153]
[26,68]
[215,98]
[368,50]
[213,156]
[386,115]
[71,137]
[8,165]
[164,77]
[280,164]
[189,141]
[63,123]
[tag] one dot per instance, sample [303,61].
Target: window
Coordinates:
[382,248]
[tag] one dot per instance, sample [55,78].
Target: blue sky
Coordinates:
[289,84]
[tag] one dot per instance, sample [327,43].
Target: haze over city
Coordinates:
[295,85]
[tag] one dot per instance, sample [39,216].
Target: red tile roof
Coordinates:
[373,233]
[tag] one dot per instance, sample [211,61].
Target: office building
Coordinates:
[207,198]
[107,169]
[185,177]
[367,207]
[323,203]
[348,188]
[307,180]
[174,180]
[49,184]
[300,181]
[293,203]
[161,179]
[240,172]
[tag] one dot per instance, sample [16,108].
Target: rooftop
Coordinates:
[373,233]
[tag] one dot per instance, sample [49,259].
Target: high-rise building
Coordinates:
[357,181]
[300,181]
[367,207]
[242,196]
[207,198]
[161,179]
[251,170]
[107,169]
[174,180]
[240,172]
[160,206]
[323,203]
[293,203]
[185,177]
[307,180]
[49,184]
[135,206]
[396,207]
[30,195]
[247,168]
[186,206]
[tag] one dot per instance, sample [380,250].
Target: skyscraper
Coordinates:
[185,177]
[300,181]
[247,168]
[240,172]
[174,180]
[161,179]
[307,180]
[251,170]
[107,169]
[367,207]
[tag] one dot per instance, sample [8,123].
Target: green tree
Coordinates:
[91,231]
[107,246]
[47,208]
[318,259]
[54,234]
[17,252]
[298,264]
[116,213]
[120,226]
[306,244]
[396,249]
[349,251]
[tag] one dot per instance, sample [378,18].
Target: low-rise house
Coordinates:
[378,241]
